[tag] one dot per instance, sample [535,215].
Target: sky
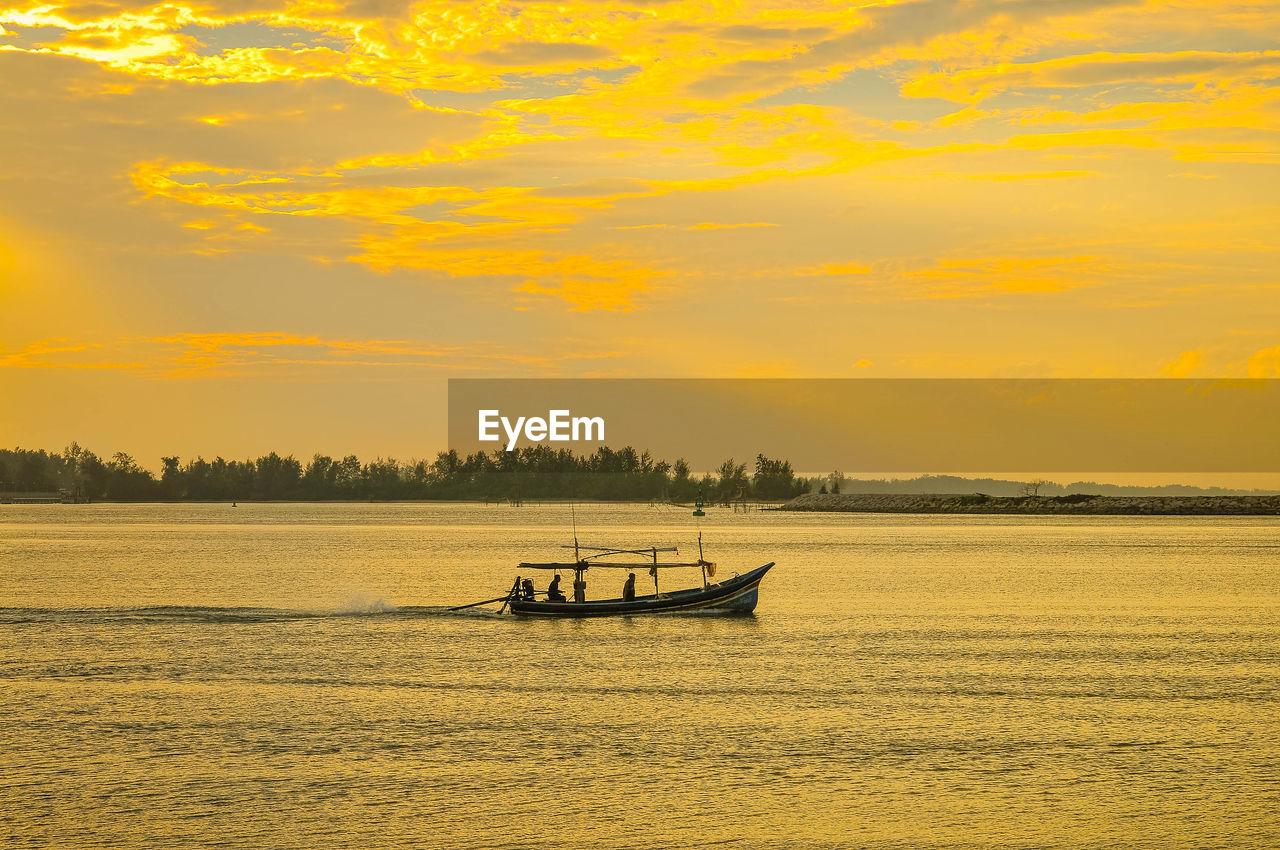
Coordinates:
[236,226]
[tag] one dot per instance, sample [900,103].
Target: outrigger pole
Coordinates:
[503,599]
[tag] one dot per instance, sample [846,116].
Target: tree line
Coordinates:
[533,472]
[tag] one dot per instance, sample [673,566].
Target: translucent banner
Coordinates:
[861,425]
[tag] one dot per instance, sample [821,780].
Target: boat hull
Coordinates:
[737,595]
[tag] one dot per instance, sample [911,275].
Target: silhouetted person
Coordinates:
[526,589]
[553,591]
[629,589]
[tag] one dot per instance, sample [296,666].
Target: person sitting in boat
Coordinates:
[526,589]
[553,590]
[629,589]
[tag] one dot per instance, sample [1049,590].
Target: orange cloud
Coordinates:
[226,353]
[210,352]
[51,354]
[1095,69]
[583,282]
[711,225]
[969,278]
[833,270]
[1264,363]
[534,134]
[1184,364]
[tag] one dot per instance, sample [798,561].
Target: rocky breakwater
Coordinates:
[1078,503]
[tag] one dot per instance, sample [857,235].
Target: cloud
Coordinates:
[238,353]
[584,282]
[1184,364]
[60,353]
[711,225]
[1264,363]
[1005,176]
[980,276]
[467,150]
[877,31]
[612,188]
[833,270]
[1095,69]
[540,54]
[220,352]
[748,33]
[614,294]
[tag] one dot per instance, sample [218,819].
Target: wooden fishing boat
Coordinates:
[736,595]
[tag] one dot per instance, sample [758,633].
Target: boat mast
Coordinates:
[574,520]
[579,584]
[702,562]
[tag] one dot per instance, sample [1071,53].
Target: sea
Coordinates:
[291,675]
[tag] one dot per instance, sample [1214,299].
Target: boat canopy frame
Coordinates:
[585,562]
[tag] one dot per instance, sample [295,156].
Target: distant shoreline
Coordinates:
[549,501]
[883,503]
[1077,504]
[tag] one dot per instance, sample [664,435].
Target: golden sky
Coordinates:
[246,225]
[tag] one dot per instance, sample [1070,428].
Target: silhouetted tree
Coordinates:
[1032,489]
[531,472]
[732,480]
[774,479]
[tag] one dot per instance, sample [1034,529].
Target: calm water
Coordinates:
[286,675]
